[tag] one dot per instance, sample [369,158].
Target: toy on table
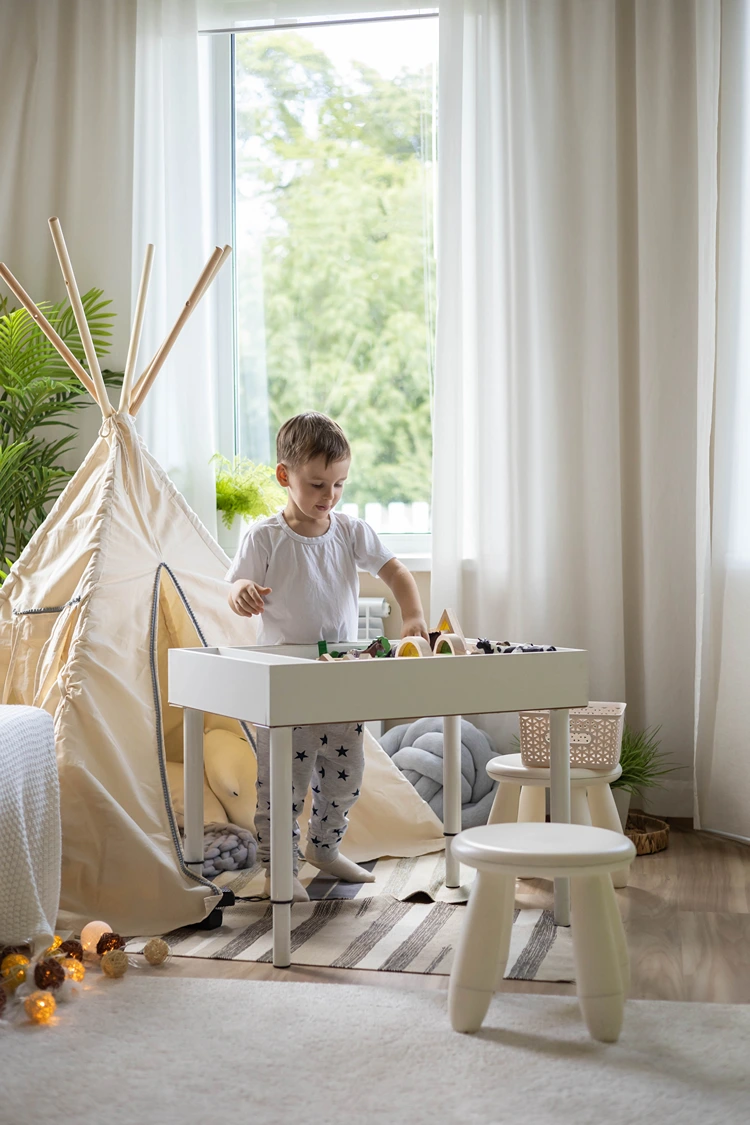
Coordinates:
[377,649]
[447,639]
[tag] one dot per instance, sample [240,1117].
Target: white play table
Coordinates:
[287,686]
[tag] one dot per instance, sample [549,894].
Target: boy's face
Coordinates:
[314,487]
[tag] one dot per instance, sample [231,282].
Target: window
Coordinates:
[333,171]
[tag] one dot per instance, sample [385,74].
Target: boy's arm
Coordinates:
[246,597]
[401,583]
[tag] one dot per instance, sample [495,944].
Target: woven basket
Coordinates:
[648,833]
[595,736]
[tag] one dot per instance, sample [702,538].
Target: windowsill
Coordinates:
[416,562]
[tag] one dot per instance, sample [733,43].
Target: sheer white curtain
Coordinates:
[66,137]
[574,228]
[178,419]
[101,126]
[722,764]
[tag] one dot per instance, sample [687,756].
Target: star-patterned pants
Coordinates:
[332,757]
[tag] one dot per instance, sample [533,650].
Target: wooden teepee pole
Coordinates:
[80,315]
[224,255]
[146,381]
[57,342]
[209,277]
[135,335]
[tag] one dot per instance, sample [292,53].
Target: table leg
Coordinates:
[451,794]
[282,865]
[559,796]
[192,754]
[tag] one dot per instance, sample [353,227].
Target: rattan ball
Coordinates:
[52,949]
[73,968]
[108,942]
[14,977]
[40,1007]
[156,951]
[71,948]
[11,961]
[48,973]
[115,963]
[7,949]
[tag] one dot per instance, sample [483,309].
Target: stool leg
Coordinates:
[505,805]
[533,803]
[598,980]
[483,942]
[604,814]
[618,935]
[579,807]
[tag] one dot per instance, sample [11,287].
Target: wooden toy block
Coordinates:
[413,646]
[450,644]
[449,623]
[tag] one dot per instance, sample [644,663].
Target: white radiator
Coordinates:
[372,611]
[371,614]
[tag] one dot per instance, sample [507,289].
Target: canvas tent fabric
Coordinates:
[121,571]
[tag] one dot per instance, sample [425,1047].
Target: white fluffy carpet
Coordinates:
[160,1051]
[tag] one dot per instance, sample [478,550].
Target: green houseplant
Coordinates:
[643,765]
[244,491]
[38,390]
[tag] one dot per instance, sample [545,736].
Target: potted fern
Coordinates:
[643,765]
[38,390]
[244,491]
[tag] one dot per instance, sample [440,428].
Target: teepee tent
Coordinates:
[120,571]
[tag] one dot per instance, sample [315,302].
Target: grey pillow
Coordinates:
[417,749]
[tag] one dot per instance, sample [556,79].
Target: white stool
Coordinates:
[588,856]
[521,796]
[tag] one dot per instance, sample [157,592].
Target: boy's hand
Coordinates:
[246,597]
[415,627]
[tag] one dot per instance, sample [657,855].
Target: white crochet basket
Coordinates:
[595,736]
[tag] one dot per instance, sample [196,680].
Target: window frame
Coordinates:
[414,549]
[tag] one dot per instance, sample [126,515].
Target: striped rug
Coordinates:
[396,924]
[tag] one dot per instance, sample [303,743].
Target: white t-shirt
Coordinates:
[313,580]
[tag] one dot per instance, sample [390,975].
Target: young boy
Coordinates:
[298,571]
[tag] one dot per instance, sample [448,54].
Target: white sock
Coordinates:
[299,894]
[341,868]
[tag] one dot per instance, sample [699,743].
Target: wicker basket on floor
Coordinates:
[648,833]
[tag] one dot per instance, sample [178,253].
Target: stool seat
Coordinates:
[588,856]
[509,767]
[563,849]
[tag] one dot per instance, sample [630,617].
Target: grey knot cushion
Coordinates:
[227,848]
[417,749]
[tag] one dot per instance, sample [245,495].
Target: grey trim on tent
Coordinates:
[46,608]
[157,709]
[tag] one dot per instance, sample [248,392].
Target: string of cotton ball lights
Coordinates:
[32,987]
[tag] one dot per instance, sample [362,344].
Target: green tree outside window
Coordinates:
[337,276]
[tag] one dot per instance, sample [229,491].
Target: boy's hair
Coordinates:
[310,435]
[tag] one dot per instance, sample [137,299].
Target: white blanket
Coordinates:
[29,827]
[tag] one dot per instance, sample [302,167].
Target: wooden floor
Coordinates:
[686,914]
